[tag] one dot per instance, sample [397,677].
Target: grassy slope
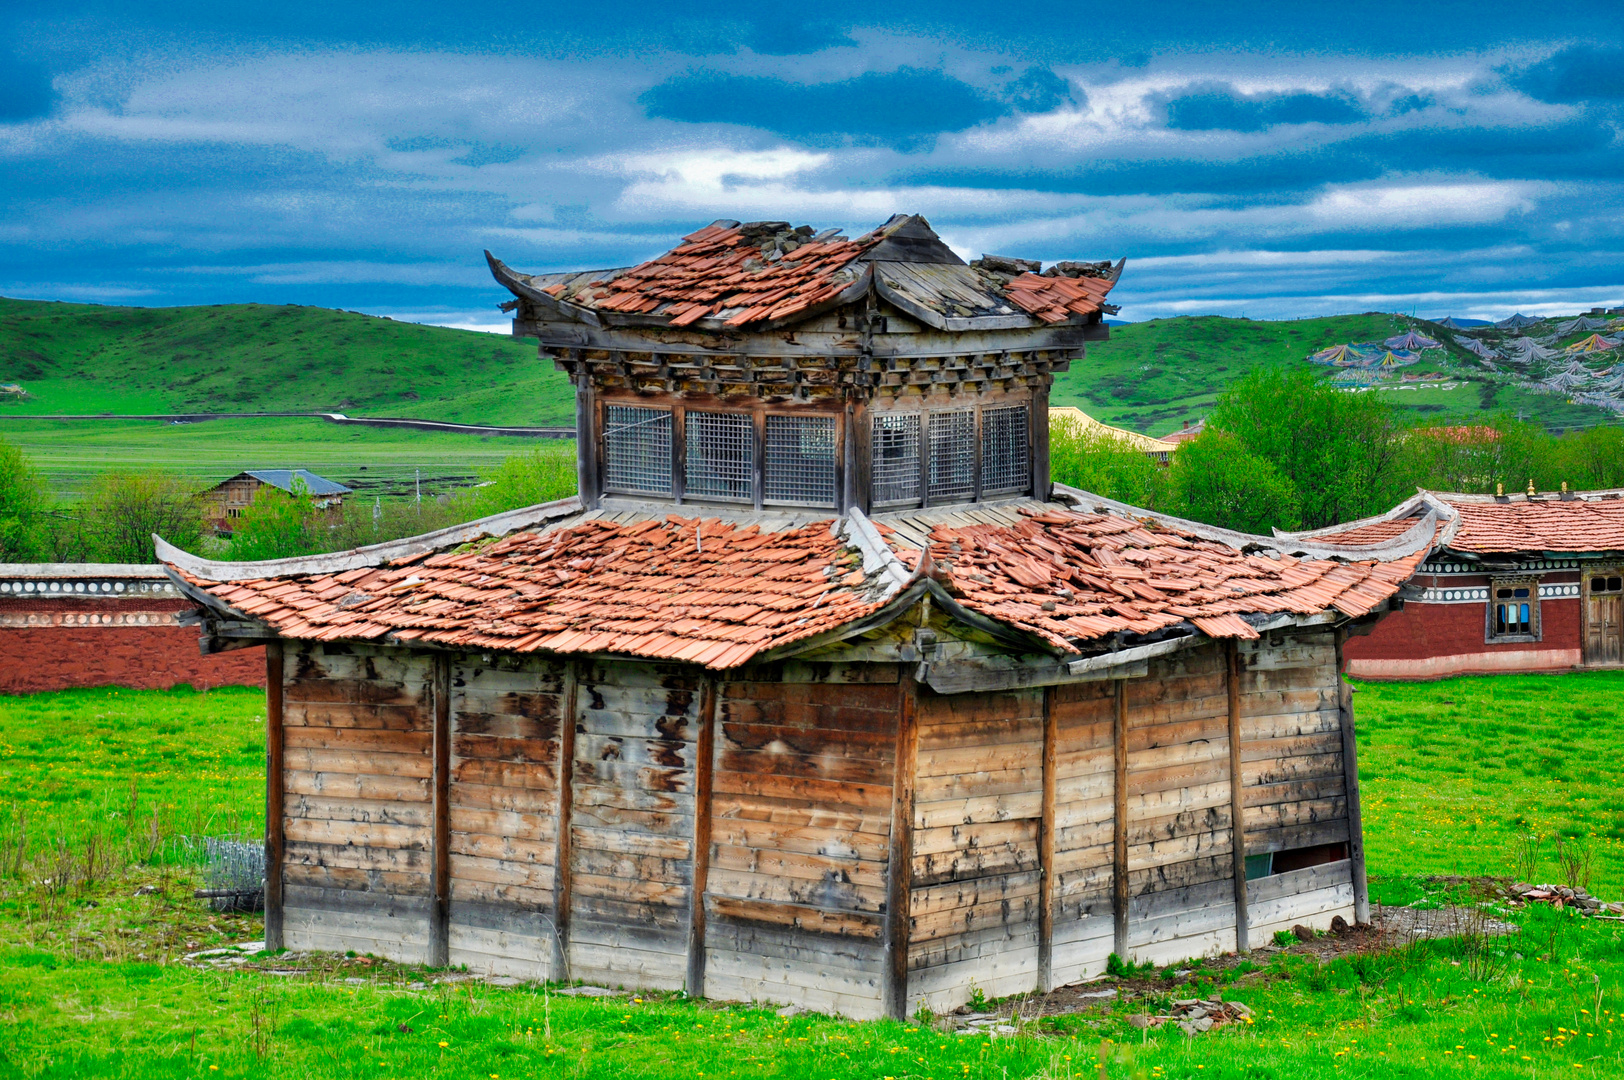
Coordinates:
[372,460]
[1420,1012]
[1153,375]
[79,358]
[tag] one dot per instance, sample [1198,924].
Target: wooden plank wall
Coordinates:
[632,823]
[357,730]
[1180,870]
[975,875]
[1084,813]
[506,723]
[800,829]
[1295,792]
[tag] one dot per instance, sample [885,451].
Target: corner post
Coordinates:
[1237,797]
[1350,774]
[275,789]
[899,878]
[440,911]
[1046,846]
[1119,822]
[704,771]
[560,967]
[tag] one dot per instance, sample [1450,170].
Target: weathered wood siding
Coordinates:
[1294,789]
[1180,873]
[506,721]
[1084,815]
[975,873]
[632,822]
[800,828]
[358,735]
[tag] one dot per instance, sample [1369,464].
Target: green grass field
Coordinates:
[1453,772]
[371,460]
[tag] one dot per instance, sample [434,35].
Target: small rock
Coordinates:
[1181,972]
[404,1029]
[147,890]
[355,982]
[1188,1028]
[413,985]
[1139,1020]
[1003,1029]
[587,991]
[1203,1023]
[962,1010]
[1302,932]
[1097,994]
[791,1010]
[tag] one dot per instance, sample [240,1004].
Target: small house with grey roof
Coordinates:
[819,691]
[226,501]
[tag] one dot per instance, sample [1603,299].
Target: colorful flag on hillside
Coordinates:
[1411,342]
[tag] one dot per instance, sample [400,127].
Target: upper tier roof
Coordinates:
[1064,578]
[764,274]
[1577,523]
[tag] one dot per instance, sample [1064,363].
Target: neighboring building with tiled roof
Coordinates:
[817,662]
[1532,581]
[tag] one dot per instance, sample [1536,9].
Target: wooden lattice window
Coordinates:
[720,452]
[637,450]
[1005,460]
[800,460]
[896,458]
[953,456]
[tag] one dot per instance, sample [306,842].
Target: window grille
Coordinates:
[637,450]
[720,449]
[1602,585]
[801,460]
[896,458]
[1005,460]
[953,456]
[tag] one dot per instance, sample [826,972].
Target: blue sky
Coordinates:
[1272,160]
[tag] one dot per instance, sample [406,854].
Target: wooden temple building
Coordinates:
[819,692]
[1527,582]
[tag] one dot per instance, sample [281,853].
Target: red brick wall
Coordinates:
[35,658]
[1447,629]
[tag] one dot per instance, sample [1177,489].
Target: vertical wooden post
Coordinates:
[566,805]
[1037,426]
[1119,826]
[704,770]
[1237,797]
[1046,845]
[899,878]
[1350,773]
[440,910]
[758,455]
[275,787]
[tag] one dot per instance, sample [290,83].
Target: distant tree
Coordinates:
[278,525]
[23,505]
[1341,451]
[542,474]
[1104,464]
[122,510]
[1216,479]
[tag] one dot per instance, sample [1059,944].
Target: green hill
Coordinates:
[1151,376]
[81,358]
